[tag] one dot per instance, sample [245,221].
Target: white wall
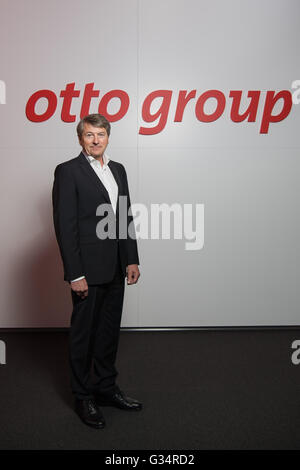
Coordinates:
[248,271]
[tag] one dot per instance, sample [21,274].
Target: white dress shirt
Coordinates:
[107,179]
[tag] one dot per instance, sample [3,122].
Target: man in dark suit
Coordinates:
[95,265]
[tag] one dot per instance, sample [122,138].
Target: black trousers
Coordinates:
[94,337]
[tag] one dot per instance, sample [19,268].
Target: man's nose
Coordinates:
[96,139]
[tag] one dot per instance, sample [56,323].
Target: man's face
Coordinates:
[94,140]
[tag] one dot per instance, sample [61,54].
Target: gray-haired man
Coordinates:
[95,267]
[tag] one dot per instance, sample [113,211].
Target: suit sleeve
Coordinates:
[64,199]
[132,251]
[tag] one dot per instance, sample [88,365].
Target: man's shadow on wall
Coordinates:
[41,299]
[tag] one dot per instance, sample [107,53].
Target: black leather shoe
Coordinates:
[89,412]
[119,400]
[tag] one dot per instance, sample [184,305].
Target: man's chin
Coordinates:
[96,154]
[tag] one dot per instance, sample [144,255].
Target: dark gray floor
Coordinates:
[200,389]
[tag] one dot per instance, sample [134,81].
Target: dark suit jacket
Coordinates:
[77,192]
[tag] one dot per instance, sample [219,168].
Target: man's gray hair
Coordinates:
[96,120]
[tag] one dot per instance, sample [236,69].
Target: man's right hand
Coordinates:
[80,287]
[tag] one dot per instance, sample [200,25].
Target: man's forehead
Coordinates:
[90,128]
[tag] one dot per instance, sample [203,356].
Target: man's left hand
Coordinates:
[133,273]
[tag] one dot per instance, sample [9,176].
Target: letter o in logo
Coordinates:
[199,110]
[124,104]
[31,103]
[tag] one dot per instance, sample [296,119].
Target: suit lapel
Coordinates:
[115,172]
[88,170]
[113,169]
